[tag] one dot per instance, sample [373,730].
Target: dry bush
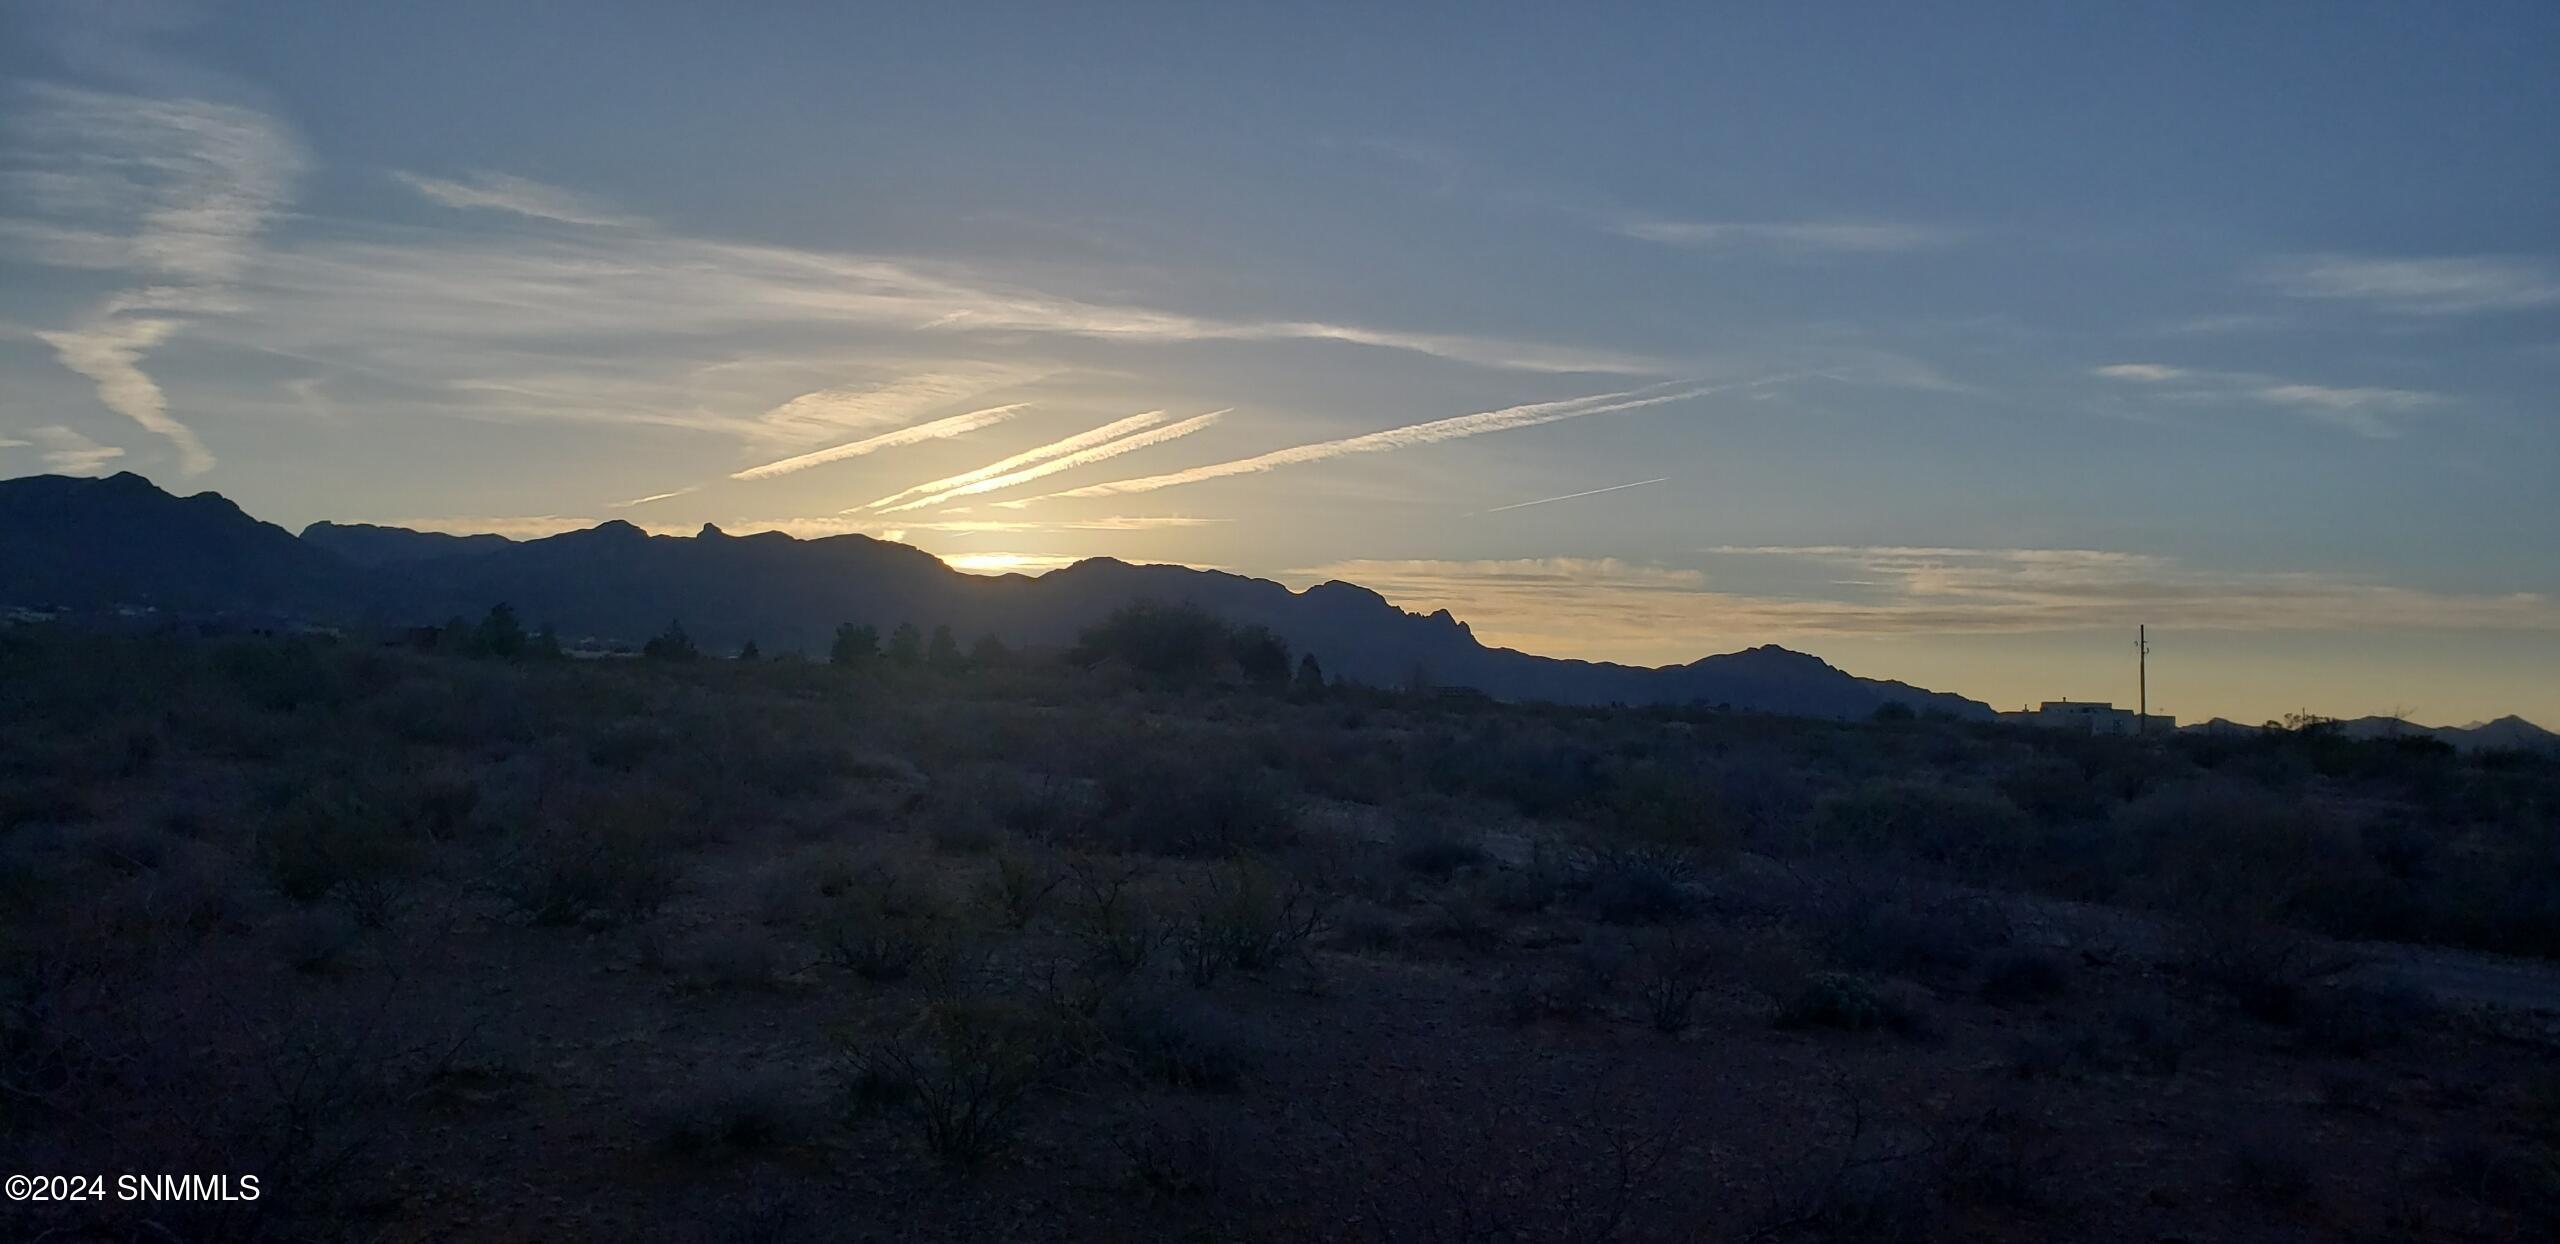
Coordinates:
[1021,884]
[1181,1151]
[1248,917]
[1112,919]
[608,858]
[964,1070]
[1671,971]
[885,923]
[1184,1042]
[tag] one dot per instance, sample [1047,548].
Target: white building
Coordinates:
[2088,717]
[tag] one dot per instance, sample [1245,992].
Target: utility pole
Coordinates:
[2142,657]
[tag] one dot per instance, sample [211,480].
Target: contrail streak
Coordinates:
[1522,505]
[956,425]
[1109,449]
[1055,449]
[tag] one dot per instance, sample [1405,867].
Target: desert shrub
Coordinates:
[608,859]
[1204,806]
[331,836]
[1960,827]
[884,925]
[1367,928]
[1670,973]
[1667,805]
[1849,1003]
[1116,924]
[2019,976]
[1467,920]
[1907,937]
[1431,840]
[1183,1042]
[1248,917]
[958,823]
[964,1070]
[1021,884]
[2219,850]
[731,1114]
[2267,973]
[1179,1152]
[1526,889]
[1641,884]
[730,959]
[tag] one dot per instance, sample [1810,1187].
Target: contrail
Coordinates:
[1055,449]
[1427,433]
[1522,505]
[1108,449]
[956,425]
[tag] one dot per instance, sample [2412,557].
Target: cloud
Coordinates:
[71,453]
[1605,609]
[1127,522]
[174,192]
[655,496]
[2358,410]
[1849,237]
[503,193]
[108,350]
[2147,373]
[1007,563]
[2419,286]
[899,400]
[1084,457]
[1406,437]
[939,429]
[1573,496]
[1038,453]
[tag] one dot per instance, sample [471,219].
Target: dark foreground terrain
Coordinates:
[445,946]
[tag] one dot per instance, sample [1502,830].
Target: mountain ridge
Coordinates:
[123,540]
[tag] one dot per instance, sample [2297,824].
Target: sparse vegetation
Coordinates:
[1138,942]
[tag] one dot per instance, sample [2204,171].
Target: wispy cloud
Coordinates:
[1433,432]
[71,453]
[1038,453]
[1117,522]
[2458,285]
[1835,236]
[500,192]
[1606,609]
[939,429]
[1084,457]
[897,400]
[2358,409]
[2148,373]
[1573,496]
[174,192]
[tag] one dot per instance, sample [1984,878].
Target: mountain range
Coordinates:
[122,541]
[2508,733]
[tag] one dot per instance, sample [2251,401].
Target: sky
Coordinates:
[1948,342]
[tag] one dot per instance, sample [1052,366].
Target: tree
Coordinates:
[1262,656]
[943,653]
[499,634]
[989,653]
[672,645]
[854,645]
[546,644]
[906,644]
[749,652]
[1310,676]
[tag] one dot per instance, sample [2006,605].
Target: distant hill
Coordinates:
[2506,733]
[368,545]
[91,542]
